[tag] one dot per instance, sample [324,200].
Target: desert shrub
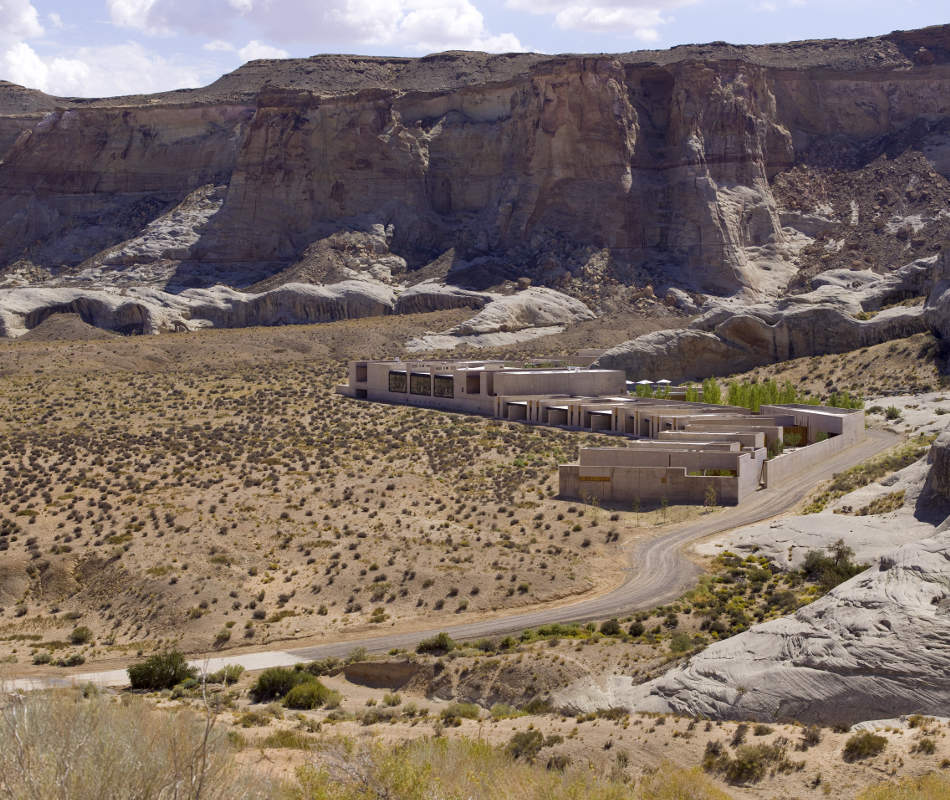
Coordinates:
[80,635]
[810,737]
[285,738]
[636,628]
[829,570]
[460,711]
[863,744]
[504,711]
[525,744]
[738,736]
[610,627]
[228,674]
[160,671]
[925,746]
[66,745]
[276,682]
[439,644]
[325,666]
[391,700]
[307,696]
[892,413]
[680,642]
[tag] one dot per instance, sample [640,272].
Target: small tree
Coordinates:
[712,393]
[710,500]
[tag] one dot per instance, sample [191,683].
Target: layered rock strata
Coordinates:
[608,168]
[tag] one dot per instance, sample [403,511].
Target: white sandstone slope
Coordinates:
[877,646]
[148,310]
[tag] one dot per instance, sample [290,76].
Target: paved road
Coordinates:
[658,573]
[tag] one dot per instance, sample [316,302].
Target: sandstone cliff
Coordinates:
[581,172]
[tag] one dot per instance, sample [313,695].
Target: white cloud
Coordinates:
[640,19]
[219,46]
[18,20]
[254,50]
[55,20]
[99,71]
[416,25]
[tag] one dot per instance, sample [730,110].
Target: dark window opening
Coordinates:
[420,383]
[398,382]
[443,386]
[361,373]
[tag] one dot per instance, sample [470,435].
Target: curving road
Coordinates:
[659,573]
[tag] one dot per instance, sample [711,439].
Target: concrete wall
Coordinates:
[650,486]
[752,439]
[848,423]
[590,383]
[781,468]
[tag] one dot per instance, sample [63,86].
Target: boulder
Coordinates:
[939,458]
[536,307]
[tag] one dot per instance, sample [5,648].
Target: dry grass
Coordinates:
[65,745]
[477,771]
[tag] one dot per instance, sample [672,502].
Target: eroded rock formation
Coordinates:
[583,171]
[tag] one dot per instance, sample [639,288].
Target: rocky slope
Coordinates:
[845,311]
[588,173]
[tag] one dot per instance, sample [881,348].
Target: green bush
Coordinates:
[307,696]
[636,628]
[610,627]
[864,745]
[276,682]
[460,711]
[161,671]
[439,644]
[228,674]
[830,570]
[326,666]
[80,635]
[525,745]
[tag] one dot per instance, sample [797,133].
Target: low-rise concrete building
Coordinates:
[676,451]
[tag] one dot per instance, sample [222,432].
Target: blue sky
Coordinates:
[106,47]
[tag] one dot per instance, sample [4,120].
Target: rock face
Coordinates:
[833,318]
[143,310]
[659,165]
[147,310]
[877,646]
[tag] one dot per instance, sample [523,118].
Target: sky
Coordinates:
[98,48]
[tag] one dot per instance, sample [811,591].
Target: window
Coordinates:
[361,373]
[398,382]
[420,383]
[443,386]
[473,384]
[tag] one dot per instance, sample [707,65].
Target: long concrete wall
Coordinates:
[779,469]
[647,485]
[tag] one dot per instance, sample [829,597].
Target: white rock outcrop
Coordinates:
[536,307]
[877,646]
